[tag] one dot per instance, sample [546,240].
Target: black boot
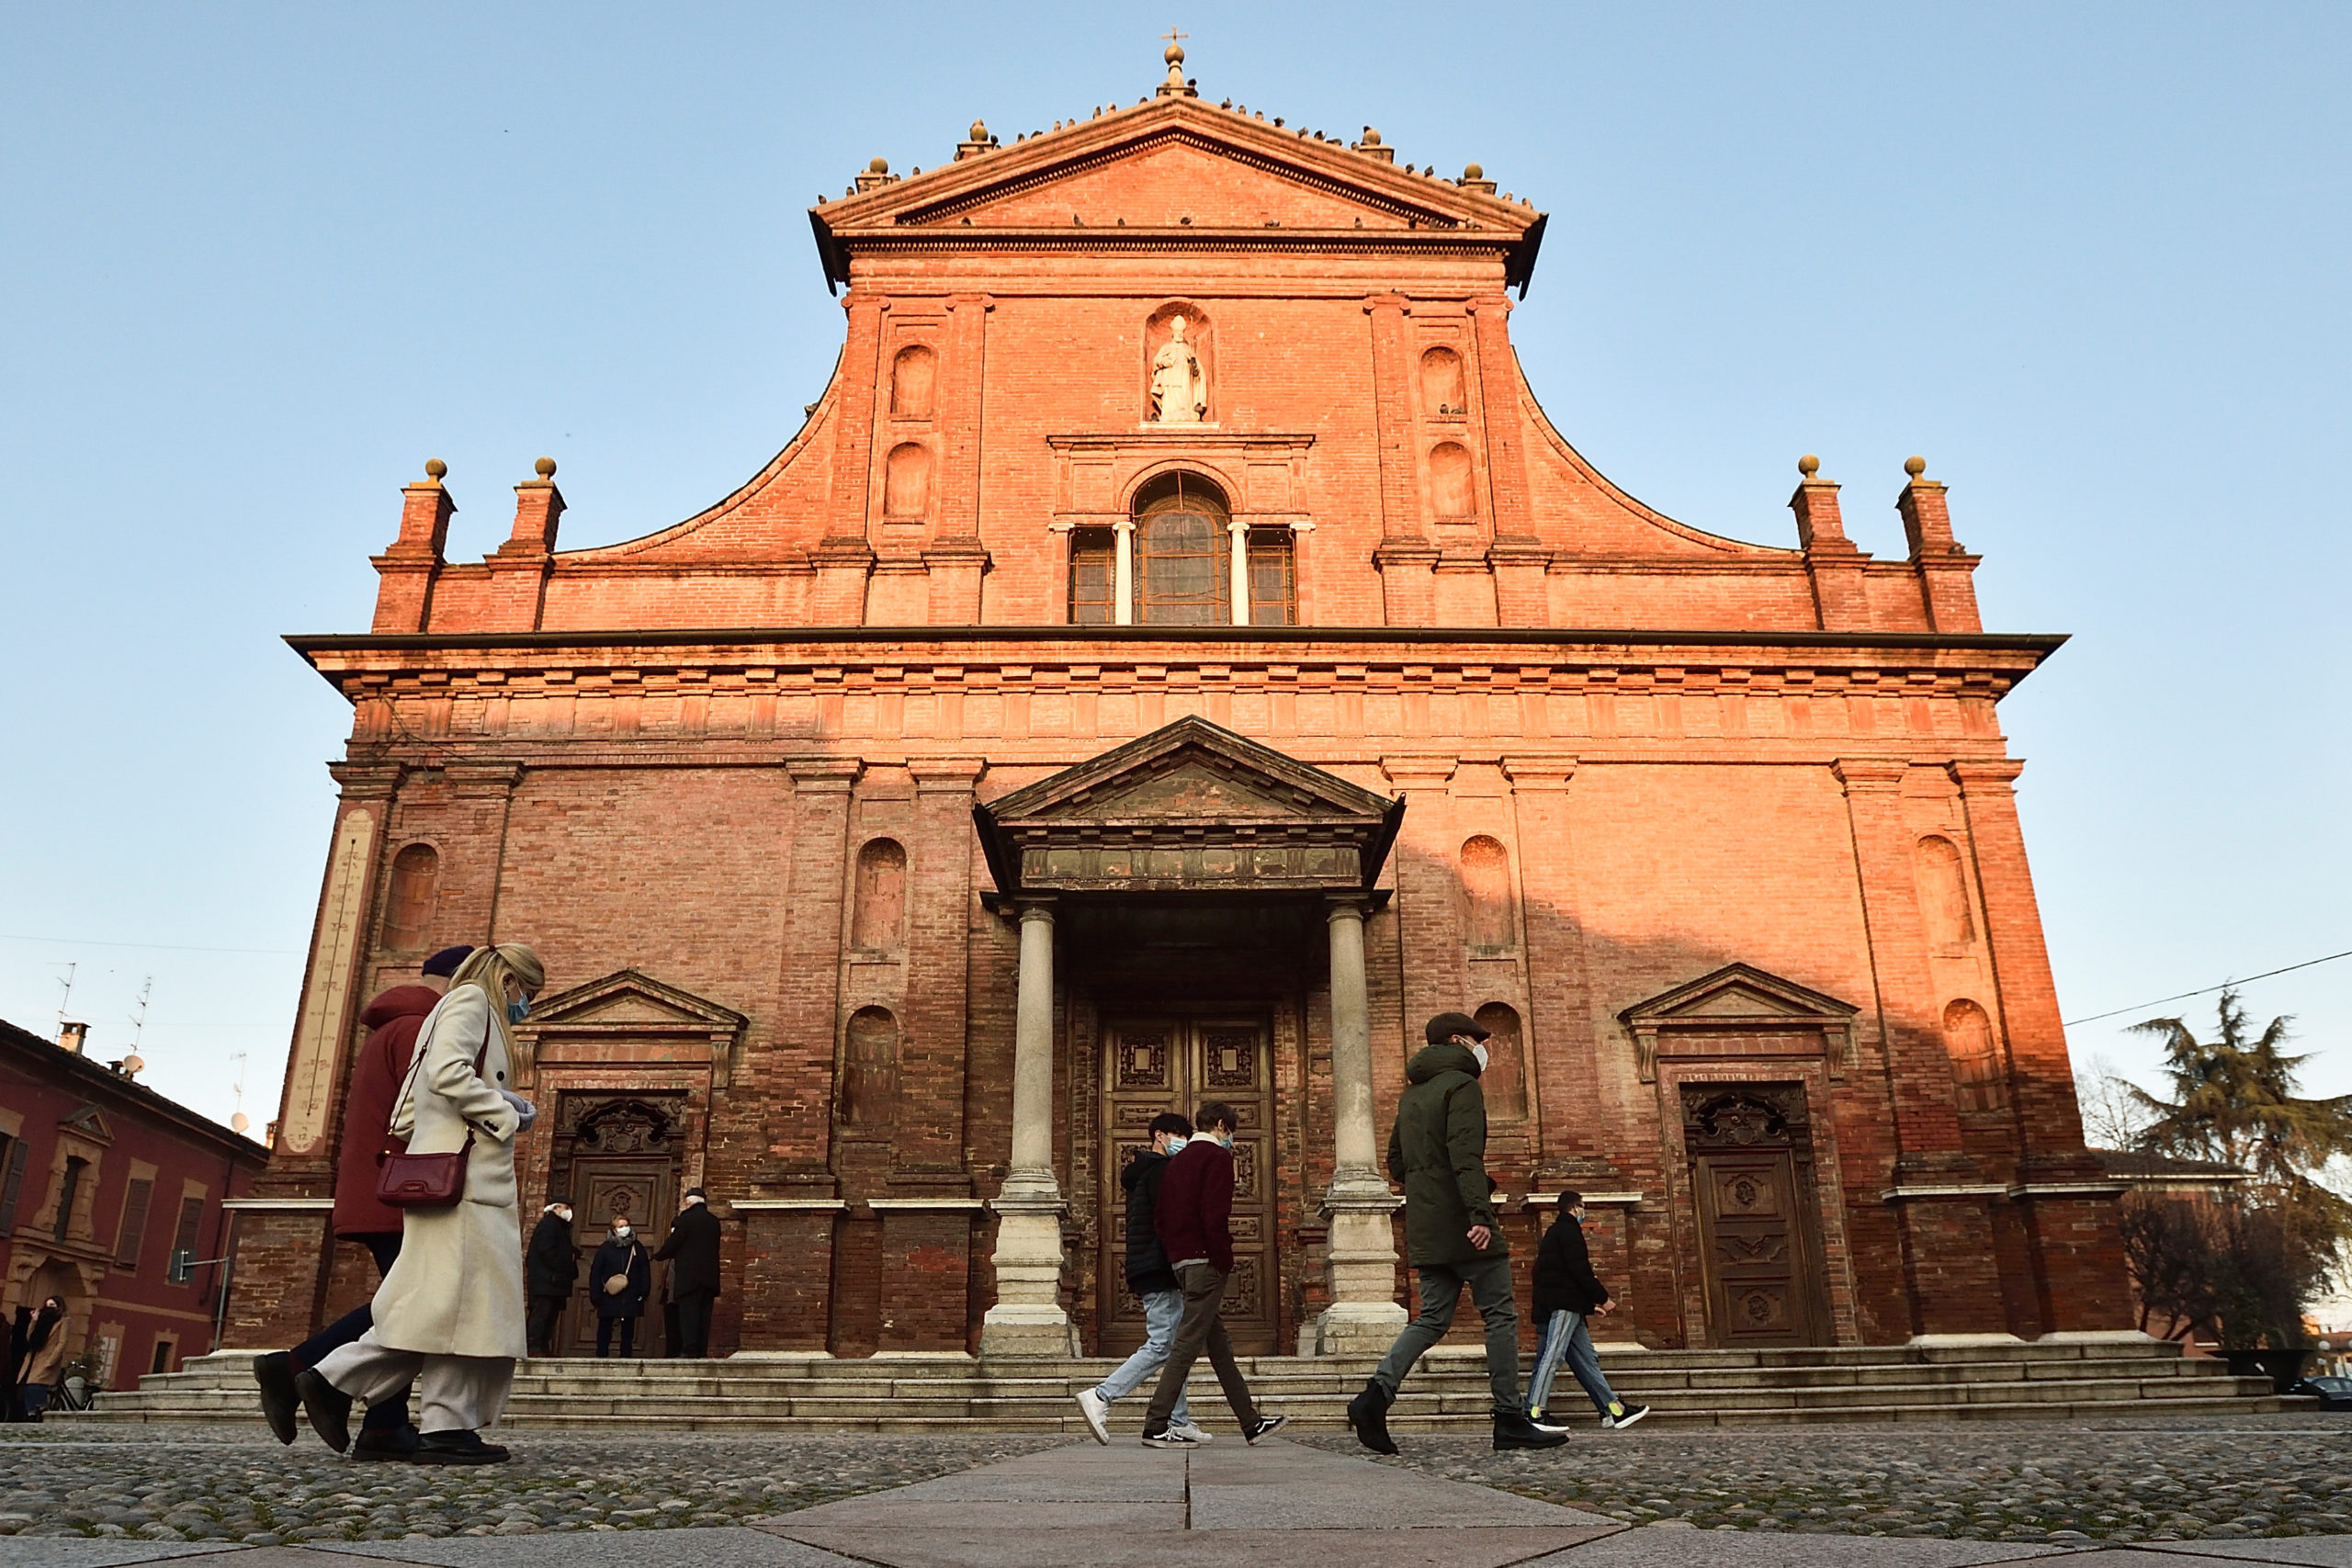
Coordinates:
[328,1407]
[1514,1430]
[275,1374]
[1368,1413]
[385,1443]
[456,1447]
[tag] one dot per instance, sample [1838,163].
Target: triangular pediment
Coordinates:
[631,1001]
[1741,994]
[1189,805]
[1173,167]
[90,1123]
[1191,770]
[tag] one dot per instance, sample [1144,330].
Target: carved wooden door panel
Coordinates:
[1151,1065]
[623,1161]
[1754,1214]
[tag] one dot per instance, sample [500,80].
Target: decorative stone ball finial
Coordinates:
[878,166]
[545,468]
[1371,137]
[1808,465]
[1915,466]
[1173,54]
[1473,171]
[979,130]
[435,468]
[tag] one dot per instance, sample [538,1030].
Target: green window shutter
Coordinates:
[134,1223]
[13,1185]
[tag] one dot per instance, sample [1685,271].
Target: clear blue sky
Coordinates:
[258,263]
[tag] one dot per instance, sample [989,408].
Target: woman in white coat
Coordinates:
[450,1313]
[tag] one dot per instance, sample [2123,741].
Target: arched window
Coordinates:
[1093,565]
[870,1068]
[408,910]
[1451,491]
[1504,1083]
[1274,587]
[1184,575]
[1978,1073]
[912,374]
[878,919]
[1441,392]
[1943,895]
[1486,888]
[906,482]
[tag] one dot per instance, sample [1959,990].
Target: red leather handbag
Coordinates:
[405,1181]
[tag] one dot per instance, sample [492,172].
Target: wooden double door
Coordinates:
[1173,1062]
[623,1159]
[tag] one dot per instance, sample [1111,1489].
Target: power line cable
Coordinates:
[2224,985]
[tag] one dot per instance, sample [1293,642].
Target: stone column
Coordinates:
[1123,573]
[1238,532]
[1027,1318]
[1363,1316]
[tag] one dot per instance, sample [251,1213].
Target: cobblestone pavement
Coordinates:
[2182,1479]
[235,1483]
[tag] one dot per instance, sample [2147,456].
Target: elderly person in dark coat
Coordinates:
[618,1282]
[691,1251]
[550,1269]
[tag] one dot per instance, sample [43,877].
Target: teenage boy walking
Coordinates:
[1195,1201]
[1438,1152]
[1152,1280]
[1567,1292]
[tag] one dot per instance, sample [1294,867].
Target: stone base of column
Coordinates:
[1363,1317]
[1027,1318]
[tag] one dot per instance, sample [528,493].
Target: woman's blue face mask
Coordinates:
[517,1011]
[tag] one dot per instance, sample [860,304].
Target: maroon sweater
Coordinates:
[392,1021]
[1195,1201]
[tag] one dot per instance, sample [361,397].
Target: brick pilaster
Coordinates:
[800,1085]
[929,1139]
[1831,560]
[843,557]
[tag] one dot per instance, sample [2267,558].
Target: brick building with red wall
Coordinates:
[102,1181]
[1174,658]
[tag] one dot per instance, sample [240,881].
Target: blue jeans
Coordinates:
[1162,1311]
[1564,1338]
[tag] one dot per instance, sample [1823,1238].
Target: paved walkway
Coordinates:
[1278,1505]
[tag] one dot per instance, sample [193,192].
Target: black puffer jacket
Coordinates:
[1147,1260]
[551,1267]
[1563,1278]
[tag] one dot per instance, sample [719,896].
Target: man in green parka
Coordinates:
[1439,1152]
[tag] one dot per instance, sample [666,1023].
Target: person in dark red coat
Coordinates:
[1195,1204]
[392,1021]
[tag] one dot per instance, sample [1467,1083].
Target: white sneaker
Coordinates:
[1097,1411]
[1192,1430]
[1171,1439]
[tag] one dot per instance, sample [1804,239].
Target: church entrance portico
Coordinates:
[1198,887]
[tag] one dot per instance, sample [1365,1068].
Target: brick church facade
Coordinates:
[1175,657]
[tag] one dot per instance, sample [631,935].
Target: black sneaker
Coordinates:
[328,1407]
[1368,1415]
[1621,1419]
[386,1443]
[1264,1426]
[456,1447]
[275,1374]
[1514,1430]
[1542,1423]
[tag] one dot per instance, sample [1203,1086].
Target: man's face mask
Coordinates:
[1176,1142]
[1480,1051]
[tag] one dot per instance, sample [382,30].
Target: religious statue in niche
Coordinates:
[1179,386]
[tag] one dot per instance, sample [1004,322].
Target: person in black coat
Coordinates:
[1150,1278]
[691,1251]
[618,1282]
[550,1269]
[1567,1292]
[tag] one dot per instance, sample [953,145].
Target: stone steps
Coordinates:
[1447,1392]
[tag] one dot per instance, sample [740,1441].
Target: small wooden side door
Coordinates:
[1751,1227]
[643,1187]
